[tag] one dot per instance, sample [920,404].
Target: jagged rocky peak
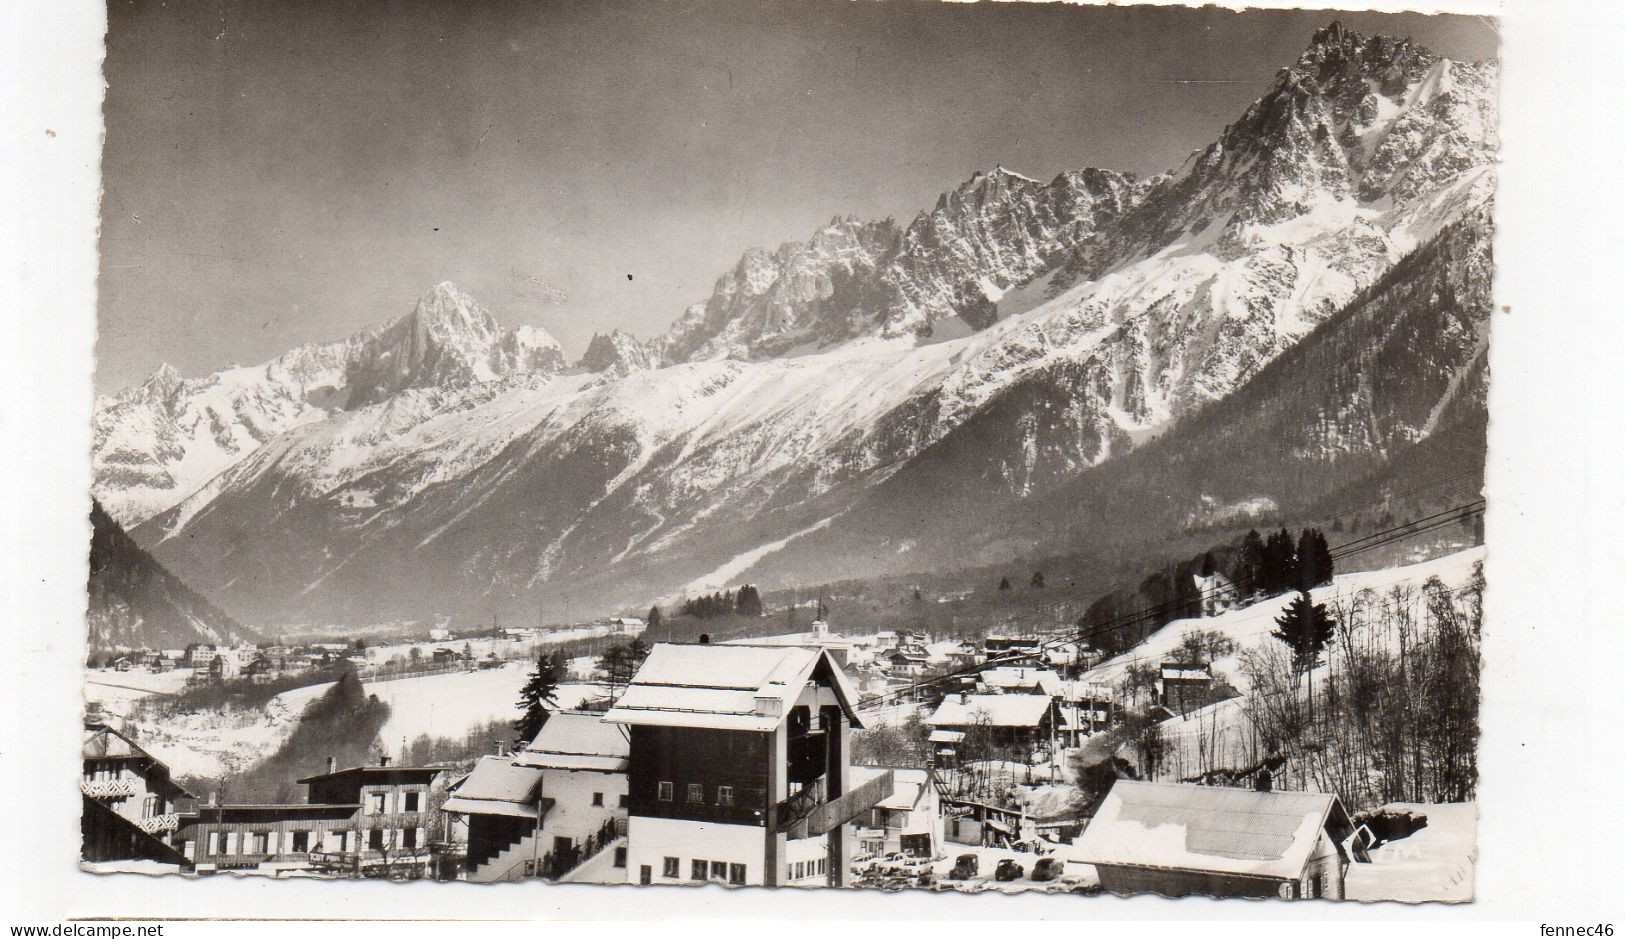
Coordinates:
[614,352]
[812,291]
[447,339]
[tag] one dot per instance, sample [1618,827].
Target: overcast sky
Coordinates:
[279,173]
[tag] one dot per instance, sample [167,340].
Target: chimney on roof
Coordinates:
[705,639]
[214,798]
[332,764]
[1263,782]
[502,748]
[383,760]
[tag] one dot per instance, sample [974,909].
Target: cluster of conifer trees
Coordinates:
[746,602]
[1273,566]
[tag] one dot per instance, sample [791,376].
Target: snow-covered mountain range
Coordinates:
[1010,343]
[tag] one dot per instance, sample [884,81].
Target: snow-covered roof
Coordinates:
[497,786]
[1015,676]
[907,785]
[1178,826]
[997,710]
[725,687]
[947,736]
[577,740]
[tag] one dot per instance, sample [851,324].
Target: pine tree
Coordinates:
[1314,560]
[749,601]
[539,697]
[1307,628]
[1280,564]
[1250,567]
[654,617]
[1004,583]
[1038,579]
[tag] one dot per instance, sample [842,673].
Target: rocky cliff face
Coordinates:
[1017,340]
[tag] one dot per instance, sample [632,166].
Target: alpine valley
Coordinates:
[1291,322]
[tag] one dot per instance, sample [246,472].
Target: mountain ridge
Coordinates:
[1089,315]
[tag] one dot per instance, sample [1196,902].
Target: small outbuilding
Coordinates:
[1179,840]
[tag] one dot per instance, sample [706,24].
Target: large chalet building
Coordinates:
[739,769]
[363,820]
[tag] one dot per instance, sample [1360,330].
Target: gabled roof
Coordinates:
[577,740]
[995,710]
[718,686]
[1016,676]
[498,787]
[380,774]
[104,743]
[1178,826]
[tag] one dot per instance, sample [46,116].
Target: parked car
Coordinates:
[1008,869]
[1047,868]
[965,867]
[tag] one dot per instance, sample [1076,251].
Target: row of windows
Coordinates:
[696,793]
[705,870]
[378,802]
[300,842]
[813,868]
[598,799]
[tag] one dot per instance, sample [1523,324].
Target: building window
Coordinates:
[375,803]
[409,802]
[301,842]
[668,867]
[696,792]
[697,869]
[719,870]
[665,792]
[598,798]
[736,874]
[409,838]
[259,843]
[620,856]
[624,800]
[725,795]
[375,839]
[645,875]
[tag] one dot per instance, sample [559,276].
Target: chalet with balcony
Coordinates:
[1179,840]
[132,809]
[739,770]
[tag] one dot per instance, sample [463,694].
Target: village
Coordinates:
[1022,760]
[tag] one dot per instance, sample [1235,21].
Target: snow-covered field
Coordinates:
[1437,863]
[216,743]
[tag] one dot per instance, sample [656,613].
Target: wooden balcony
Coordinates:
[107,788]
[169,821]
